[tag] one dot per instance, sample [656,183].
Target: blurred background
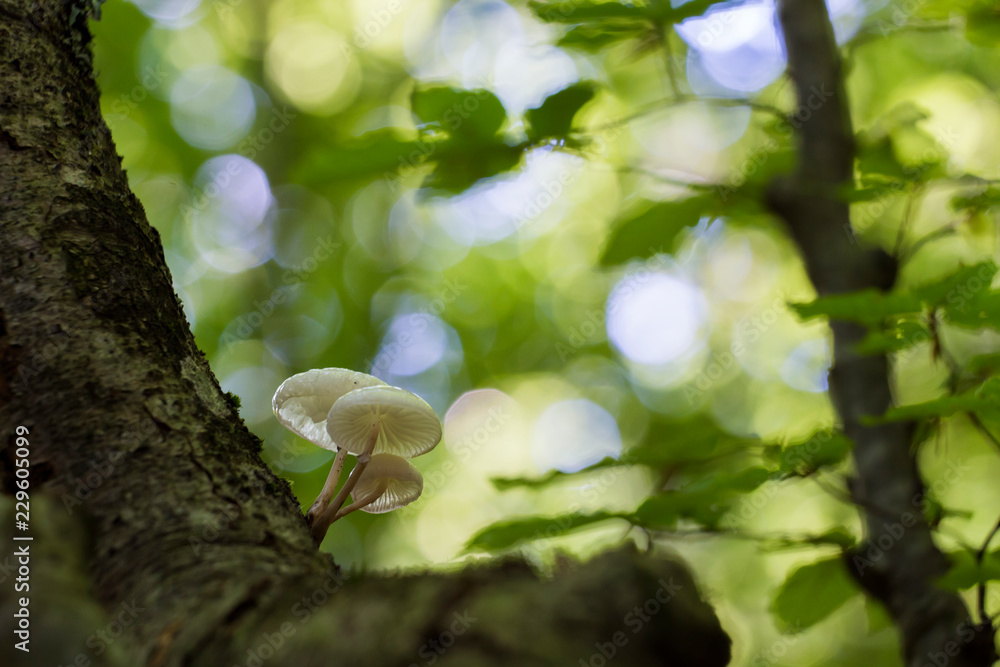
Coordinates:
[255,134]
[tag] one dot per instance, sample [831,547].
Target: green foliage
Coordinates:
[879,158]
[652,228]
[967,570]
[868,306]
[659,12]
[578,12]
[552,477]
[509,534]
[378,153]
[823,449]
[598,38]
[554,118]
[984,398]
[896,334]
[897,320]
[705,500]
[811,593]
[930,201]
[714,470]
[470,115]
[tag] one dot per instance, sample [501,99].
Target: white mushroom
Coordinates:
[388,483]
[303,401]
[301,405]
[404,423]
[377,420]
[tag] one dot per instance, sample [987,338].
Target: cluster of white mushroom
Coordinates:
[357,414]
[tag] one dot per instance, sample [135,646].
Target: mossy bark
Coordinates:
[137,456]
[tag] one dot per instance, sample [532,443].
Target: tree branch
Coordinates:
[900,563]
[132,439]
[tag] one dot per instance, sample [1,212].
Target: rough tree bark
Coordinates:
[97,362]
[934,624]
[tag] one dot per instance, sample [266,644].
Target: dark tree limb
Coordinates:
[148,490]
[900,562]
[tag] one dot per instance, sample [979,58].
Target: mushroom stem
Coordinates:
[322,524]
[332,480]
[364,502]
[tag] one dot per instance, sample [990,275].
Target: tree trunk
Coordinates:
[137,456]
[934,625]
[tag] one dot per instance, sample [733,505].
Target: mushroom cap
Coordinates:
[408,426]
[303,400]
[403,483]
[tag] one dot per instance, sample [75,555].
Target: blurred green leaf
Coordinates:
[553,476]
[837,537]
[577,12]
[982,310]
[965,572]
[882,150]
[811,593]
[696,438]
[460,165]
[509,534]
[652,228]
[667,12]
[554,117]
[371,154]
[822,449]
[597,37]
[984,199]
[473,115]
[598,12]
[706,500]
[869,306]
[984,364]
[986,397]
[966,283]
[661,512]
[668,443]
[895,336]
[982,24]
[878,158]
